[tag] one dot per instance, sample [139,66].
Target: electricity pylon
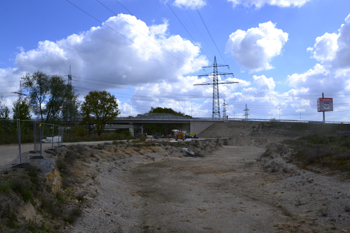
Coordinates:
[246,114]
[69,112]
[224,111]
[215,75]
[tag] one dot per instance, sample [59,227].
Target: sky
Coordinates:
[283,53]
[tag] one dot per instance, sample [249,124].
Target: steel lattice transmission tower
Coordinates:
[215,83]
[246,114]
[70,76]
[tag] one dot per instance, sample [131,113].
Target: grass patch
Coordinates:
[331,152]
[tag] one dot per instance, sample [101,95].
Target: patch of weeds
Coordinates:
[73,215]
[65,182]
[5,187]
[51,207]
[22,187]
[61,165]
[80,198]
[9,217]
[328,151]
[31,226]
[70,157]
[60,197]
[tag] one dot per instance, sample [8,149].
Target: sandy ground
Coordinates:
[232,189]
[229,190]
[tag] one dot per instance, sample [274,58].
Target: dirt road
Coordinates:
[213,194]
[226,191]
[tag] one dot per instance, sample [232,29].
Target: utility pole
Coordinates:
[68,116]
[215,83]
[246,112]
[324,115]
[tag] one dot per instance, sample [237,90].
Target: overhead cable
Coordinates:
[205,25]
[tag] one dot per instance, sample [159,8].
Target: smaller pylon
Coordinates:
[224,111]
[70,76]
[246,114]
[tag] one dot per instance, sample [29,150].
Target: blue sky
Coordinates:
[283,53]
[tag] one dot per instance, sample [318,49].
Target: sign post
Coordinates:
[324,105]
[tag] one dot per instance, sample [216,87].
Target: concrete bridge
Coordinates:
[193,125]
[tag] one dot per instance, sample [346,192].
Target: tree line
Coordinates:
[50,99]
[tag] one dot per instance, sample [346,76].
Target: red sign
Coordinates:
[324,104]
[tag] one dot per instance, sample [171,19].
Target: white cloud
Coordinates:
[325,47]
[123,51]
[334,48]
[265,84]
[9,83]
[254,48]
[261,3]
[191,4]
[332,74]
[342,58]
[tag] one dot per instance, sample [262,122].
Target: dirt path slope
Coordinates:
[226,191]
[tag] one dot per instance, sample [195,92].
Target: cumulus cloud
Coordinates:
[181,95]
[261,3]
[122,51]
[265,84]
[332,50]
[325,47]
[191,4]
[342,57]
[255,48]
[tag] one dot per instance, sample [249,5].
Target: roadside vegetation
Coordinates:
[332,152]
[38,199]
[29,204]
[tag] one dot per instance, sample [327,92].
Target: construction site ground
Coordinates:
[232,188]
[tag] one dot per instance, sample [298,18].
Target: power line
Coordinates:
[205,41]
[166,2]
[209,34]
[124,7]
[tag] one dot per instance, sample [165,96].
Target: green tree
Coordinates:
[98,108]
[70,108]
[57,89]
[5,126]
[4,110]
[21,109]
[167,111]
[47,94]
[162,128]
[38,86]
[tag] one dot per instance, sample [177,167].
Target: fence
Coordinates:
[10,131]
[32,131]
